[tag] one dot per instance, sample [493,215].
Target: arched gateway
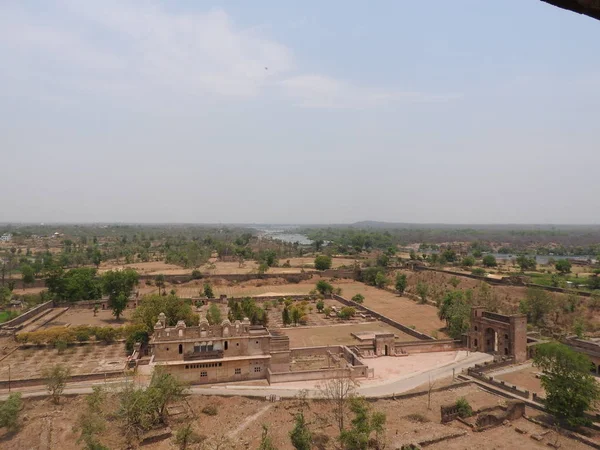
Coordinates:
[498,334]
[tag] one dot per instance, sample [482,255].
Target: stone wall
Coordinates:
[445,345]
[14,323]
[383,318]
[499,384]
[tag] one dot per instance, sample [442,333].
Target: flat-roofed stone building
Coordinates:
[218,353]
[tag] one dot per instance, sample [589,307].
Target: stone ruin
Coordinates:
[486,418]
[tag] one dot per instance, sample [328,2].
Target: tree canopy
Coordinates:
[570,388]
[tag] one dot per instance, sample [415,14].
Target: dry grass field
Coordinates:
[29,362]
[83,316]
[338,334]
[238,424]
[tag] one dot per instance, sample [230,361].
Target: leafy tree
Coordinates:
[593,281]
[347,312]
[537,305]
[320,305]
[214,314]
[269,257]
[301,436]
[91,422]
[358,298]
[364,423]
[422,291]
[196,274]
[570,388]
[159,280]
[468,261]
[56,379]
[526,263]
[563,265]
[174,308]
[28,274]
[286,316]
[489,261]
[381,280]
[118,285]
[9,411]
[323,262]
[324,287]
[163,388]
[73,285]
[456,311]
[449,255]
[383,260]
[401,283]
[208,291]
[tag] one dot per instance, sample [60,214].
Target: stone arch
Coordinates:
[491,340]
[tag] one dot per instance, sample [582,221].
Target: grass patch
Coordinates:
[5,316]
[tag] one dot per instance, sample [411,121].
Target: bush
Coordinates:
[324,287]
[196,274]
[464,408]
[478,271]
[347,312]
[9,411]
[210,410]
[358,298]
[323,262]
[320,305]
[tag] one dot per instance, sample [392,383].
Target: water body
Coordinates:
[285,236]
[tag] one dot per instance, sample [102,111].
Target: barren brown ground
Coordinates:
[239,420]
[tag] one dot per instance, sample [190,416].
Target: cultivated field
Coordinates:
[29,362]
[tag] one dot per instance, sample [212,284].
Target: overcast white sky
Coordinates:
[304,112]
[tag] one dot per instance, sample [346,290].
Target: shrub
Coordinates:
[320,305]
[323,262]
[358,298]
[464,408]
[324,287]
[196,274]
[347,312]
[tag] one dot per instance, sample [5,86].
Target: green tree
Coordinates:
[324,287]
[320,305]
[358,298]
[455,310]
[208,291]
[28,274]
[489,261]
[323,262]
[364,424]
[526,263]
[9,411]
[214,314]
[537,305]
[163,389]
[563,265]
[570,388]
[286,316]
[159,280]
[56,379]
[73,285]
[401,283]
[449,255]
[422,291]
[174,308]
[347,312]
[301,436]
[381,280]
[118,285]
[468,261]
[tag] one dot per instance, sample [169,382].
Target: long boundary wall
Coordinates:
[26,315]
[383,318]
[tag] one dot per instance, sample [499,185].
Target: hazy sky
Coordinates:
[298,112]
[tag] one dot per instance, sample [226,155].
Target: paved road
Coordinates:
[396,386]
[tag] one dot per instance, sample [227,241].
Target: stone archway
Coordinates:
[491,340]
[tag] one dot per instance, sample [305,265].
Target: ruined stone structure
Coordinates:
[498,334]
[218,353]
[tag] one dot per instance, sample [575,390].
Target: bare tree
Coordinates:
[339,389]
[429,389]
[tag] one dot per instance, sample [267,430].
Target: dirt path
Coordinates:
[233,434]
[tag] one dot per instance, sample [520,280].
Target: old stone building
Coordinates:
[498,334]
[218,353]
